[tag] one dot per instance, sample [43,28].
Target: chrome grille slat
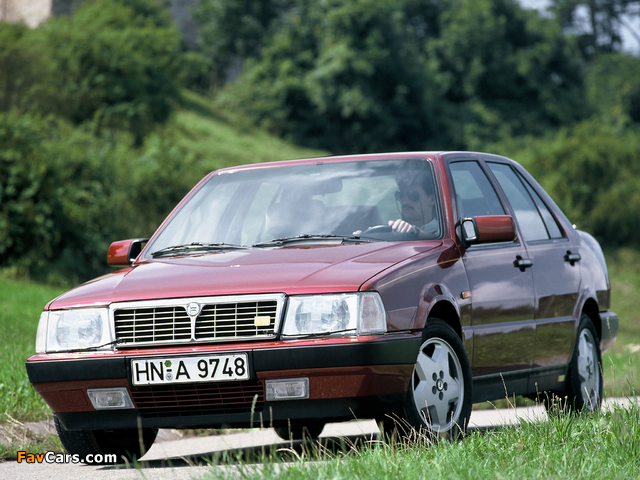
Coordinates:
[148,323]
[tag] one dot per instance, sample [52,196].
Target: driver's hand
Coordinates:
[401,226]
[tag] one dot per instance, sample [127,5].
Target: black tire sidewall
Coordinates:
[437,328]
[574,396]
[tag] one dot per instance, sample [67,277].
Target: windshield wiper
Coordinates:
[194,247]
[306,237]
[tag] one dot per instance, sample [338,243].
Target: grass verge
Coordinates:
[604,446]
[21,303]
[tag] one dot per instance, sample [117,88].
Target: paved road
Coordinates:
[186,458]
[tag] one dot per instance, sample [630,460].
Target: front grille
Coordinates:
[148,325]
[198,399]
[219,319]
[235,320]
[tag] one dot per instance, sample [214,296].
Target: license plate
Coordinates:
[192,369]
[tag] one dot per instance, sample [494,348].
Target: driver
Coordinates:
[416,201]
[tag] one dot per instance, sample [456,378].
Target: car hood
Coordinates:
[290,270]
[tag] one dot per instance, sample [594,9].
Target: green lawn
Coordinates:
[621,363]
[20,306]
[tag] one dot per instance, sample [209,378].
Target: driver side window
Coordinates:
[475,195]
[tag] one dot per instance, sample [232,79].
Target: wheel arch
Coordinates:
[590,307]
[447,312]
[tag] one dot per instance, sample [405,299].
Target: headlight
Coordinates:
[77,329]
[346,314]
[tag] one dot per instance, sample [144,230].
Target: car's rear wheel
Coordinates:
[438,401]
[584,383]
[126,444]
[300,430]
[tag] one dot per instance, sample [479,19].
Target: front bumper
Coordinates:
[348,377]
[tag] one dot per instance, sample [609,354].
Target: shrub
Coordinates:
[66,194]
[115,62]
[593,173]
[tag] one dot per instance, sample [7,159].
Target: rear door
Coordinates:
[556,272]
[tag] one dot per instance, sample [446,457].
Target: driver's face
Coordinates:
[416,205]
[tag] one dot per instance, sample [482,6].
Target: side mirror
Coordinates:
[124,252]
[487,229]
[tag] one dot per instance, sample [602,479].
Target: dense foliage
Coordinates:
[89,153]
[66,194]
[113,63]
[362,75]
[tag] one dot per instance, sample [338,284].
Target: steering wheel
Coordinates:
[378,229]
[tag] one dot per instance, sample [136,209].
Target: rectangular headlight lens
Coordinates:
[77,329]
[333,314]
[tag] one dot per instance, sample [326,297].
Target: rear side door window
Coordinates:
[534,218]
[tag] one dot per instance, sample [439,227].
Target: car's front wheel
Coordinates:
[438,401]
[126,444]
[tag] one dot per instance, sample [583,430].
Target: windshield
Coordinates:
[325,199]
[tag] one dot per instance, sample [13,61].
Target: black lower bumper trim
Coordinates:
[77,370]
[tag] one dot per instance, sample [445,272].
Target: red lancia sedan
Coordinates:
[291,294]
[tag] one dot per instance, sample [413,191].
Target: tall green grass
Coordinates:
[21,303]
[621,363]
[603,446]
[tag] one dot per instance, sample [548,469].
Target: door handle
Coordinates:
[572,258]
[523,263]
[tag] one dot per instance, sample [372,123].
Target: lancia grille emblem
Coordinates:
[193,309]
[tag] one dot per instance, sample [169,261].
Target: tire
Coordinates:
[125,444]
[584,382]
[438,401]
[299,430]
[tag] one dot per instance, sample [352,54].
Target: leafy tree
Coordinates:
[613,89]
[362,75]
[234,31]
[115,63]
[597,24]
[66,194]
[23,67]
[507,70]
[592,171]
[54,196]
[343,76]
